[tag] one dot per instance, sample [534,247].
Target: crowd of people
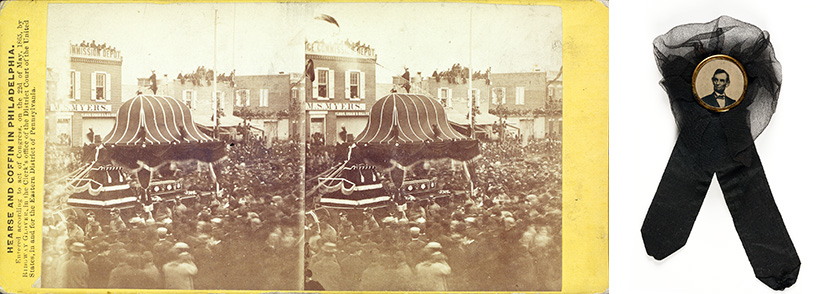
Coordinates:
[203,76]
[93,44]
[247,236]
[503,233]
[458,74]
[60,160]
[505,236]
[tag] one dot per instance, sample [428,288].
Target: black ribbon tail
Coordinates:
[758,222]
[676,204]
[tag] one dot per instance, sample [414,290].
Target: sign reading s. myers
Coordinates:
[80,107]
[336,106]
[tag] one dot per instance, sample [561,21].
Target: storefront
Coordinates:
[328,119]
[94,94]
[343,89]
[73,123]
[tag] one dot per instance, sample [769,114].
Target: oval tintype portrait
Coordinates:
[719,82]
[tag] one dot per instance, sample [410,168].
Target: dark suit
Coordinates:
[711,100]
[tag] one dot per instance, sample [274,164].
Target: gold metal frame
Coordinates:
[695,90]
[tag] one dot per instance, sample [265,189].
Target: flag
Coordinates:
[406,77]
[329,19]
[309,71]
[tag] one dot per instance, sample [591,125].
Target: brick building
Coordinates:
[264,101]
[529,100]
[198,96]
[532,99]
[343,91]
[94,95]
[268,101]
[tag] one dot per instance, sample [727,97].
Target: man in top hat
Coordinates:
[153,82]
[432,273]
[93,227]
[179,274]
[74,269]
[353,265]
[116,224]
[326,268]
[128,274]
[162,247]
[100,266]
[414,247]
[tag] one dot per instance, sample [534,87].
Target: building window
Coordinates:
[445,96]
[354,85]
[219,102]
[499,95]
[263,97]
[243,97]
[476,97]
[322,80]
[323,86]
[519,95]
[294,94]
[354,88]
[100,86]
[189,97]
[559,93]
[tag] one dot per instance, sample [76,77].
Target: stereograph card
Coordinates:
[317,146]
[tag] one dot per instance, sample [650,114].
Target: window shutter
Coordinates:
[494,95]
[193,100]
[94,86]
[108,86]
[77,84]
[247,97]
[440,92]
[503,96]
[449,97]
[477,100]
[330,85]
[315,84]
[361,85]
[347,84]
[519,95]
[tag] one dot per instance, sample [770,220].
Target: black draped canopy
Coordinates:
[155,129]
[408,128]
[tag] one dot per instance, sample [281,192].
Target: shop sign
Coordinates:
[336,106]
[81,107]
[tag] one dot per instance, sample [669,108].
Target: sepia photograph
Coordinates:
[235,146]
[433,154]
[719,82]
[313,146]
[174,147]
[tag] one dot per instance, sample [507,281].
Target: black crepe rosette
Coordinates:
[679,52]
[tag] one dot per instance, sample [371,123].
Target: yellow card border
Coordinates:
[585,155]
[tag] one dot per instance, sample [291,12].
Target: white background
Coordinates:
[643,132]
